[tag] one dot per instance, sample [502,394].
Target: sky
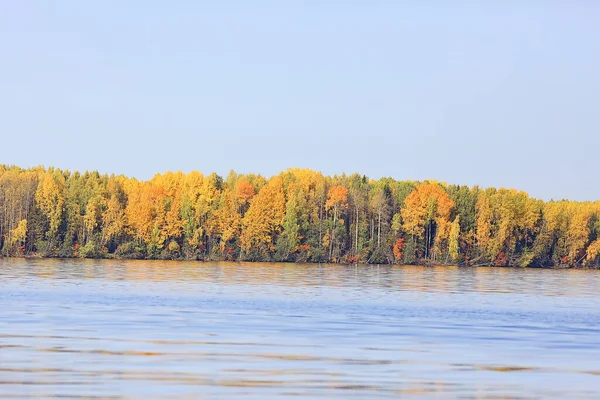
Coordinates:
[466,92]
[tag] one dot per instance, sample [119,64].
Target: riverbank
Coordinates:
[425,263]
[295,216]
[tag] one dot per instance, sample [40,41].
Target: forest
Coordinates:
[299,215]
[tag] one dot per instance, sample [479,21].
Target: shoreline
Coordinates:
[422,263]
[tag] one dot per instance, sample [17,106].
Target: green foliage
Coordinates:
[130,250]
[90,250]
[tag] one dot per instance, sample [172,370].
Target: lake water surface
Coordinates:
[156,329]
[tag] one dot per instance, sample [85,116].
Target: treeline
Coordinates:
[299,215]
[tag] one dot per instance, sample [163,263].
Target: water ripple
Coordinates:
[139,329]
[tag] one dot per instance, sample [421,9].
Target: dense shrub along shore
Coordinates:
[299,215]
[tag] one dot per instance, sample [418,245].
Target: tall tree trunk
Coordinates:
[379,230]
[356,222]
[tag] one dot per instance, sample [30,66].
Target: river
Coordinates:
[156,329]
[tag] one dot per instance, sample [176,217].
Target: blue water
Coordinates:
[155,329]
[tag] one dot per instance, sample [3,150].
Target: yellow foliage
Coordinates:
[483,222]
[428,202]
[50,198]
[593,251]
[113,218]
[248,215]
[453,240]
[264,217]
[18,235]
[337,197]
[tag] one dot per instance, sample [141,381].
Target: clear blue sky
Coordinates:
[504,95]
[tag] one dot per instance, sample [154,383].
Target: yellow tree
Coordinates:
[507,214]
[113,217]
[205,207]
[16,238]
[245,192]
[50,199]
[337,202]
[547,248]
[168,208]
[17,194]
[228,220]
[453,240]
[192,224]
[263,220]
[145,213]
[313,187]
[173,226]
[426,215]
[93,216]
[593,251]
[483,222]
[529,216]
[578,231]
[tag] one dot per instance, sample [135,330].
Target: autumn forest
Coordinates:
[297,216]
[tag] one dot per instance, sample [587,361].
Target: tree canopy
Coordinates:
[299,215]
